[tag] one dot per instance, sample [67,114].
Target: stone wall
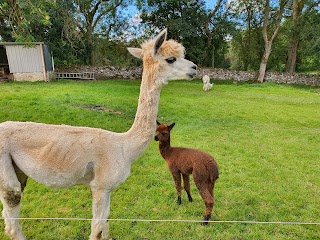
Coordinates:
[243,76]
[109,72]
[106,72]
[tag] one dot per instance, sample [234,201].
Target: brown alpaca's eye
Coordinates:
[171,60]
[164,133]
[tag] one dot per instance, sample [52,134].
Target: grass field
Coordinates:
[265,138]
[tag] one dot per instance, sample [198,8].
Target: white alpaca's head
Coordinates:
[164,60]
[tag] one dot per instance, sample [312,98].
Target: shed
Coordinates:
[25,61]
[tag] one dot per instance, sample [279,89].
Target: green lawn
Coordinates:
[265,138]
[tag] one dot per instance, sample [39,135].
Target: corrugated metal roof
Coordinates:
[21,43]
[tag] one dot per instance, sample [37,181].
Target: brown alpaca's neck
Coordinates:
[142,131]
[165,148]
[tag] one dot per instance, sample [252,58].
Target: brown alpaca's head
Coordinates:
[164,60]
[163,132]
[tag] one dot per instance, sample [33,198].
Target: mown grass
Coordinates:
[265,138]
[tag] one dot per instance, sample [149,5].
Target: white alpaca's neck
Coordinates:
[142,131]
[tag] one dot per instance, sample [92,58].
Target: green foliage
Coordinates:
[114,53]
[185,21]
[265,138]
[25,19]
[246,49]
[247,44]
[66,44]
[97,32]
[309,49]
[70,28]
[278,57]
[96,18]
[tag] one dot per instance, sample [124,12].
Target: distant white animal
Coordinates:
[206,83]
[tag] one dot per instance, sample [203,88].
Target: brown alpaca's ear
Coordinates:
[171,126]
[158,123]
[162,36]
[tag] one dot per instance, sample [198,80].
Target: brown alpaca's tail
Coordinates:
[213,170]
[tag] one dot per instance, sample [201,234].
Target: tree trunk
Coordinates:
[212,60]
[89,45]
[208,31]
[294,41]
[246,63]
[292,56]
[263,64]
[268,42]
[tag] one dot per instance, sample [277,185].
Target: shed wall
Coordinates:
[24,59]
[47,58]
[32,77]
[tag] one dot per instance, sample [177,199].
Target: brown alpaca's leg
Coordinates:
[186,184]
[211,188]
[177,182]
[208,199]
[208,211]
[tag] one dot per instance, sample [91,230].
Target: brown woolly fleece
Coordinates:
[185,161]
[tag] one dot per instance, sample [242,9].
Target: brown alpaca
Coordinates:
[186,161]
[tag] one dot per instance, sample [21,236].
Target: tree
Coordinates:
[209,32]
[5,30]
[309,44]
[91,15]
[185,20]
[250,14]
[268,42]
[70,28]
[19,17]
[218,28]
[247,42]
[298,9]
[64,37]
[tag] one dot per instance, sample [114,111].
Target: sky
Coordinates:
[209,3]
[135,20]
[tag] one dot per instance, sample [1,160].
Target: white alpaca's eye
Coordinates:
[171,60]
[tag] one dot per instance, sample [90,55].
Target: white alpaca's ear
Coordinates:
[160,38]
[136,52]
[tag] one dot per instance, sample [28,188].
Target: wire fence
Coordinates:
[170,220]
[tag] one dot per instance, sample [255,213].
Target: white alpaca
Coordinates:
[63,156]
[206,83]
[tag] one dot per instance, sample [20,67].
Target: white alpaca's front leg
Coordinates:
[10,196]
[11,218]
[100,212]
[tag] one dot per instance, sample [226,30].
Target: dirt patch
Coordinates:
[102,109]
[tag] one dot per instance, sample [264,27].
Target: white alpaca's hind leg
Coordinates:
[100,212]
[10,196]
